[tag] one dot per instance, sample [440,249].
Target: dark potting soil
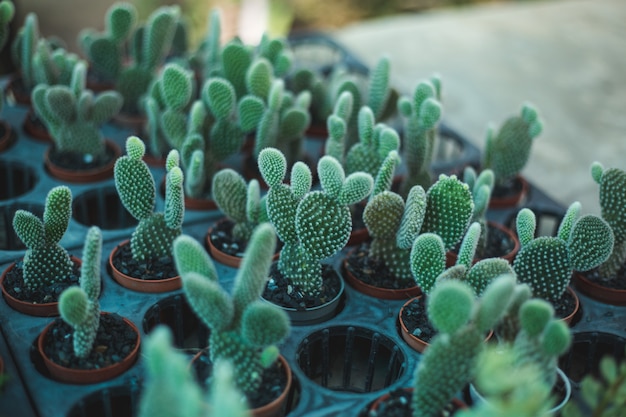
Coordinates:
[282,292]
[616,282]
[273,381]
[416,321]
[372,271]
[498,244]
[509,189]
[114,341]
[399,405]
[14,285]
[222,238]
[564,306]
[357,216]
[78,162]
[151,269]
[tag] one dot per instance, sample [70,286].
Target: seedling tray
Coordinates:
[339,366]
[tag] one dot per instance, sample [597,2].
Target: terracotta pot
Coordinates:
[599,292]
[317,131]
[223,257]
[456,403]
[142,285]
[378,292]
[88,376]
[570,317]
[35,130]
[562,379]
[200,204]
[451,256]
[358,236]
[15,90]
[413,341]
[276,407]
[84,176]
[7,138]
[513,200]
[39,310]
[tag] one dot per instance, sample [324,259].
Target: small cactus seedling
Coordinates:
[612,197]
[244,328]
[45,260]
[313,225]
[507,151]
[156,231]
[546,263]
[481,186]
[79,306]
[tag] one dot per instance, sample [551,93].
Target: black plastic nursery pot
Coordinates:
[339,365]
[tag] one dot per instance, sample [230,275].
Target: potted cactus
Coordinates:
[244,329]
[34,284]
[73,117]
[244,209]
[546,263]
[607,282]
[144,263]
[74,359]
[382,267]
[171,388]
[313,225]
[7,10]
[496,240]
[428,266]
[451,360]
[506,153]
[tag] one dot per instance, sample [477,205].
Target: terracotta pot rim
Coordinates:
[451,256]
[84,176]
[221,256]
[457,402]
[599,292]
[270,409]
[142,285]
[8,138]
[29,308]
[88,376]
[570,317]
[378,292]
[514,200]
[33,131]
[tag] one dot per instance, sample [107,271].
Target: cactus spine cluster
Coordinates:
[546,263]
[313,225]
[156,231]
[244,328]
[46,261]
[79,306]
[612,197]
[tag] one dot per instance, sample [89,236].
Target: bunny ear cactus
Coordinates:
[239,201]
[375,142]
[542,338]
[149,46]
[79,306]
[23,49]
[278,53]
[170,389]
[313,225]
[507,151]
[45,261]
[106,50]
[244,329]
[155,232]
[167,106]
[74,115]
[481,187]
[7,11]
[450,361]
[546,263]
[421,115]
[612,192]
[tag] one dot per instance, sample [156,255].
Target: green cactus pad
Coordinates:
[590,243]
[450,306]
[428,260]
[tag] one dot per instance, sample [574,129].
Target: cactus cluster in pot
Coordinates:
[243,328]
[156,231]
[546,263]
[74,115]
[394,224]
[481,186]
[612,197]
[313,225]
[45,261]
